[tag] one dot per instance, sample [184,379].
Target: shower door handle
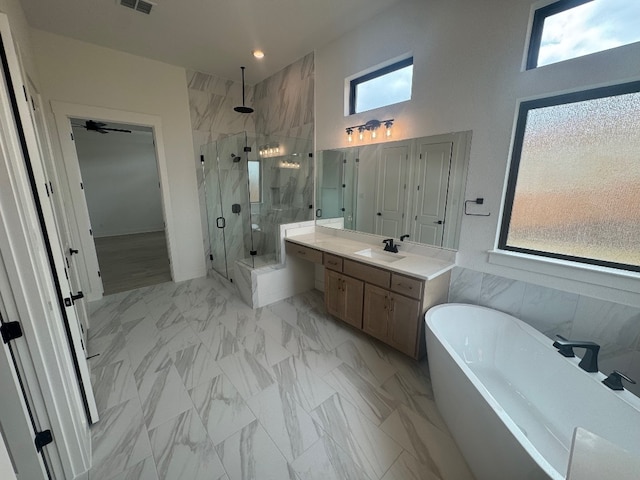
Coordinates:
[220,222]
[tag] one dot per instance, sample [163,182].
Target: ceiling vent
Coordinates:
[139,5]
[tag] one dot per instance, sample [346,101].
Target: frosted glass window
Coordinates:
[385,86]
[573,28]
[574,185]
[254,181]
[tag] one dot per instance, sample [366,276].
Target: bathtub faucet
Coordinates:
[589,362]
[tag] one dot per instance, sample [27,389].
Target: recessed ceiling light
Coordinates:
[258,53]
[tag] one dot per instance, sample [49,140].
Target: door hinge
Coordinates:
[201,158]
[357,160]
[100,275]
[33,104]
[247,149]
[42,439]
[46,187]
[344,161]
[211,257]
[26,97]
[10,331]
[253,253]
[81,186]
[51,187]
[72,139]
[66,275]
[418,187]
[91,232]
[420,156]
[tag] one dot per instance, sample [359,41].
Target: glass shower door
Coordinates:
[236,209]
[215,219]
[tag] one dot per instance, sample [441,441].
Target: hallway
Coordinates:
[193,384]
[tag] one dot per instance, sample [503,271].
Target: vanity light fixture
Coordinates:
[269,150]
[372,127]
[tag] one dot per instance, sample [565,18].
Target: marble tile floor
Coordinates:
[193,384]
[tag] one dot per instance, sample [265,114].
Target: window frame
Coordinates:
[516,153]
[260,190]
[353,83]
[537,26]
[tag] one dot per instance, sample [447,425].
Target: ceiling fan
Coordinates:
[100,127]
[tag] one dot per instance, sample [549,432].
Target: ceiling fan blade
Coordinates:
[117,130]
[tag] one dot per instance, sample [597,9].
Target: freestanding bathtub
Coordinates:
[511,401]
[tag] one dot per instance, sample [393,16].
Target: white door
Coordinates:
[80,209]
[23,412]
[430,189]
[54,189]
[32,157]
[391,201]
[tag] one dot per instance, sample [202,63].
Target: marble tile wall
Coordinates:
[284,102]
[614,326]
[211,102]
[283,106]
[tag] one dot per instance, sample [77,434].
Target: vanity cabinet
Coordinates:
[343,297]
[391,317]
[385,304]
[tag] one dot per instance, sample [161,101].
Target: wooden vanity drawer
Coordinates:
[369,274]
[305,253]
[411,287]
[332,262]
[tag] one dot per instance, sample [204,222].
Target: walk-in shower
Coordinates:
[253,184]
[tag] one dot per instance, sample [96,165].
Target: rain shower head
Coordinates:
[243,108]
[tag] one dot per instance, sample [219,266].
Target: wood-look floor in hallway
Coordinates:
[133,261]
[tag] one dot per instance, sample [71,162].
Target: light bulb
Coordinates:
[374,134]
[361,134]
[350,137]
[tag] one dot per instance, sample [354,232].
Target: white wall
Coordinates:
[82,73]
[121,182]
[468,75]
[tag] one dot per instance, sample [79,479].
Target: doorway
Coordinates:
[122,190]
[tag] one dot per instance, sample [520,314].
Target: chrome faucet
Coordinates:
[389,245]
[589,362]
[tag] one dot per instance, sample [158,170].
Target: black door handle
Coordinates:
[379,214]
[439,222]
[77,296]
[220,222]
[70,301]
[72,251]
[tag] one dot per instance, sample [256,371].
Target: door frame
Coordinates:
[63,112]
[29,276]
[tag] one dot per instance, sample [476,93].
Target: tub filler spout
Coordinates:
[589,362]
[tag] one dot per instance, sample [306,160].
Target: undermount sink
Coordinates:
[379,255]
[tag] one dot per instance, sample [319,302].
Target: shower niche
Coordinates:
[253,184]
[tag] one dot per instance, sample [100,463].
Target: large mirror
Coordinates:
[411,187]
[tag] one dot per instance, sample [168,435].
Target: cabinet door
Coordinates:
[376,311]
[352,292]
[403,323]
[333,292]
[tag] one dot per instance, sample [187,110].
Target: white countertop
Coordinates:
[426,268]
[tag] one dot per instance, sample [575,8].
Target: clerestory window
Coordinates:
[573,28]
